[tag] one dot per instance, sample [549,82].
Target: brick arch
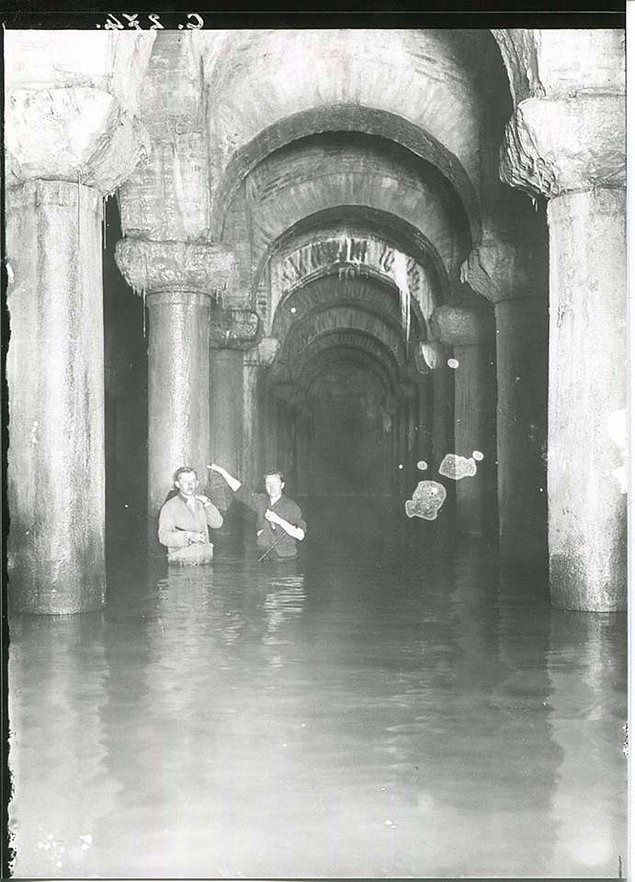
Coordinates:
[323,359]
[345,118]
[371,292]
[341,320]
[321,174]
[347,343]
[363,220]
[294,281]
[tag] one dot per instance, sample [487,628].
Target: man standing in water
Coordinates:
[279,519]
[184,519]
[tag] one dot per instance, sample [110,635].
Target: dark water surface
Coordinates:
[386,706]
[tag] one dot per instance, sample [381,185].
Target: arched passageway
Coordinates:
[321,257]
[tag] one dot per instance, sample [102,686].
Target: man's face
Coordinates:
[186,483]
[273,485]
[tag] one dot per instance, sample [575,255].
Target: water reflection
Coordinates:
[387,705]
[587,667]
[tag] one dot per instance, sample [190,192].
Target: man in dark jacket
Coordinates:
[279,519]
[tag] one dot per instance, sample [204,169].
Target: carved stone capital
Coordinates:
[555,145]
[501,271]
[556,62]
[234,329]
[75,133]
[175,266]
[459,326]
[429,355]
[264,353]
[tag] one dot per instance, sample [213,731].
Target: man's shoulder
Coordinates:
[172,503]
[290,503]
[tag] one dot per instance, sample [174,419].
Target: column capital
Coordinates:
[567,131]
[461,326]
[553,146]
[156,267]
[429,355]
[264,353]
[234,329]
[503,271]
[73,118]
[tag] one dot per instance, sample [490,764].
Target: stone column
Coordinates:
[587,400]
[470,331]
[66,147]
[304,445]
[514,279]
[521,370]
[233,331]
[430,358]
[254,362]
[226,408]
[568,145]
[180,282]
[423,430]
[442,421]
[55,374]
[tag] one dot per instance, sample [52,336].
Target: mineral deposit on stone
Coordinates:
[456,467]
[427,499]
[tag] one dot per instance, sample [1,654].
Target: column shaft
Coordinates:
[178,389]
[252,448]
[587,400]
[474,429]
[423,438]
[521,362]
[55,373]
[442,434]
[226,408]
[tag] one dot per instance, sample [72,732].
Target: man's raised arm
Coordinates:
[233,482]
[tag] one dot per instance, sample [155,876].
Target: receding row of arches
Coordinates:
[295,206]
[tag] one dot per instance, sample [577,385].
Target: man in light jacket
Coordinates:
[184,519]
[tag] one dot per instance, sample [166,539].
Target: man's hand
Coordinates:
[196,538]
[272,517]
[291,529]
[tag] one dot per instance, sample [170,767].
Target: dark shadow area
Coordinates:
[126,399]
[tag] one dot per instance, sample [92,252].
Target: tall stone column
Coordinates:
[587,400]
[514,279]
[423,429]
[233,331]
[66,147]
[255,361]
[442,428]
[55,374]
[571,149]
[430,359]
[304,445]
[470,333]
[225,412]
[521,367]
[181,282]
